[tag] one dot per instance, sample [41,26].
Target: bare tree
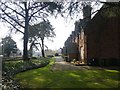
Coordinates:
[19,15]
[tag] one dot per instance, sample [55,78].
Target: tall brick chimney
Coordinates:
[87,12]
[77,27]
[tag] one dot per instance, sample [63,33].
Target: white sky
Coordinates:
[62,29]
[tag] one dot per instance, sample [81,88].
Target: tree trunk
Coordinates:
[31,52]
[31,49]
[42,49]
[8,54]
[25,51]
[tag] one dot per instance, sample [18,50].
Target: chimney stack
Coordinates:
[87,12]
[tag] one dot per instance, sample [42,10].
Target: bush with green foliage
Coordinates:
[10,68]
[13,67]
[34,57]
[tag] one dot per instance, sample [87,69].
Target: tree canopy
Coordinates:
[9,46]
[39,32]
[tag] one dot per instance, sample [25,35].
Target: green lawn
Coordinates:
[45,78]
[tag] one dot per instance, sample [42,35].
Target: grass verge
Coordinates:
[46,78]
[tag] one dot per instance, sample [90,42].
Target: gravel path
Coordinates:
[60,64]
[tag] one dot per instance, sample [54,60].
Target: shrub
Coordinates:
[56,54]
[11,68]
[50,56]
[34,57]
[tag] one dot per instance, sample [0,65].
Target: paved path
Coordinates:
[60,64]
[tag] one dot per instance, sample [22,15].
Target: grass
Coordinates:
[45,78]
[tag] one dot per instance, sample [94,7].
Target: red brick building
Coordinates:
[103,36]
[97,39]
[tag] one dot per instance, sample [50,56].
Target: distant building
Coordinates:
[36,54]
[17,54]
[49,52]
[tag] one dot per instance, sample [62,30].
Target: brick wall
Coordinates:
[103,40]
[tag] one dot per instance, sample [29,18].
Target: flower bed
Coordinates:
[10,68]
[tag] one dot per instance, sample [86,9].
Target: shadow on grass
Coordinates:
[45,78]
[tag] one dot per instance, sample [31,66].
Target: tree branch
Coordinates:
[19,6]
[34,6]
[36,46]
[12,18]
[112,3]
[14,10]
[36,12]
[12,25]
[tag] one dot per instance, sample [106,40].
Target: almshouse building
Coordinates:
[96,40]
